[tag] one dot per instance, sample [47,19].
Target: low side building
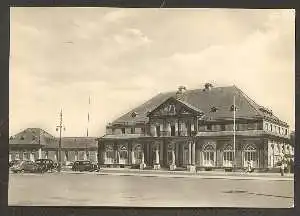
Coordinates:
[194,129]
[35,143]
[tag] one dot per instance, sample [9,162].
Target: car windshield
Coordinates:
[84,162]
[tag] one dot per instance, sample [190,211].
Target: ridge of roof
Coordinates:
[250,101]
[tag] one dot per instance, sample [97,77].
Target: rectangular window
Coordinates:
[143,130]
[271,127]
[286,132]
[123,130]
[223,127]
[228,158]
[189,129]
[208,127]
[132,130]
[172,130]
[158,131]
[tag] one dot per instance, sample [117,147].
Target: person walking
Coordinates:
[282,168]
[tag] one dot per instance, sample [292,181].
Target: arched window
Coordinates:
[123,152]
[138,150]
[228,155]
[110,155]
[209,155]
[250,154]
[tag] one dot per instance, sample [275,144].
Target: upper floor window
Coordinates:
[213,109]
[21,138]
[286,132]
[266,126]
[172,130]
[223,127]
[271,127]
[158,130]
[233,108]
[123,130]
[132,130]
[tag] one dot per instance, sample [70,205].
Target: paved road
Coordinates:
[109,190]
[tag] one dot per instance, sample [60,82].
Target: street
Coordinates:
[83,189]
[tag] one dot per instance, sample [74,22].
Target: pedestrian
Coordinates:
[248,167]
[282,168]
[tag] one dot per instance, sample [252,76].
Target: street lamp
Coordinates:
[59,128]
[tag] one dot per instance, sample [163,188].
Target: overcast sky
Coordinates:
[122,57]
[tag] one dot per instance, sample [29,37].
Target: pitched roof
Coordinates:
[32,136]
[75,142]
[36,136]
[219,97]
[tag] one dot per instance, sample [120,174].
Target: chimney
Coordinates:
[207,86]
[180,94]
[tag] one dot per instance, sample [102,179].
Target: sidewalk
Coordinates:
[186,174]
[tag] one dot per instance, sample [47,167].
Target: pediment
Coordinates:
[172,107]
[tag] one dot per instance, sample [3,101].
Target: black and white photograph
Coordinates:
[151,107]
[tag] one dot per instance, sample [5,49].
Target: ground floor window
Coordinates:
[228,156]
[138,152]
[123,152]
[26,156]
[208,155]
[250,155]
[109,155]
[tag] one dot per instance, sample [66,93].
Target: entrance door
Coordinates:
[185,157]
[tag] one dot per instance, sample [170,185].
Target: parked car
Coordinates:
[84,165]
[45,164]
[13,162]
[26,166]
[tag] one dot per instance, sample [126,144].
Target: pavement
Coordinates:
[142,189]
[186,174]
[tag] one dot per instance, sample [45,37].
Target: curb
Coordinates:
[185,176]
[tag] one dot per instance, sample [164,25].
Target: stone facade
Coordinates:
[175,132]
[35,143]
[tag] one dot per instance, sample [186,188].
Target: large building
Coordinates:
[194,129]
[35,143]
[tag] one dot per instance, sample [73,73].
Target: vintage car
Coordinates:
[26,166]
[84,165]
[46,164]
[13,162]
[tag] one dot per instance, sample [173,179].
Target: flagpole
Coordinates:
[234,109]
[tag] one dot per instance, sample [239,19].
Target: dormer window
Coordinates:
[133,114]
[214,109]
[232,108]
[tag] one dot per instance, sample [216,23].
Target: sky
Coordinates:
[123,57]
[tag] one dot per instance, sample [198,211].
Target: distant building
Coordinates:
[194,128]
[34,143]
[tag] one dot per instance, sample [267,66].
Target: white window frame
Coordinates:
[228,155]
[209,155]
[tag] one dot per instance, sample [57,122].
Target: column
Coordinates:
[132,157]
[156,156]
[173,157]
[169,129]
[40,153]
[190,153]
[177,153]
[9,157]
[193,153]
[31,156]
[76,156]
[118,157]
[84,155]
[96,157]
